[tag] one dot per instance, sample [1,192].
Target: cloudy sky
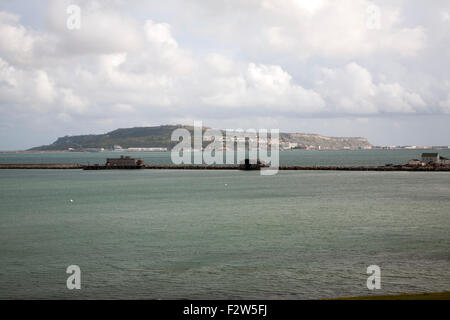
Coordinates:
[378,69]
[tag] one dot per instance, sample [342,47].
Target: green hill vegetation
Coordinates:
[141,137]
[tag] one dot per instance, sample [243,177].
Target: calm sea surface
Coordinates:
[223,234]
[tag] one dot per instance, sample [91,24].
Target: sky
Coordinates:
[376,69]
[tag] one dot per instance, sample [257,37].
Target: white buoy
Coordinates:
[71,201]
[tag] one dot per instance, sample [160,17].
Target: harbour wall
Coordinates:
[226,167]
[42,166]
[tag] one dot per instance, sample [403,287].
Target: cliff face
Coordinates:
[305,140]
[145,137]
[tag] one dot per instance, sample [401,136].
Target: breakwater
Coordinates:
[367,168]
[42,166]
[225,167]
[305,168]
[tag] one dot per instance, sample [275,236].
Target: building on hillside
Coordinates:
[153,149]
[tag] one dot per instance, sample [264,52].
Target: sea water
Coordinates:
[222,234]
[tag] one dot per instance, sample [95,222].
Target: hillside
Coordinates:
[147,137]
[139,137]
[305,140]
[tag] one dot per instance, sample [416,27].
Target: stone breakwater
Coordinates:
[367,168]
[293,168]
[226,167]
[42,166]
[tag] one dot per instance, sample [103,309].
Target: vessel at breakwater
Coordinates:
[103,167]
[123,162]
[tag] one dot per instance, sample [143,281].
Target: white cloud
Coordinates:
[45,90]
[349,89]
[327,28]
[266,86]
[392,97]
[143,65]
[159,33]
[220,64]
[265,60]
[16,42]
[445,16]
[352,90]
[445,104]
[73,103]
[104,29]
[310,6]
[35,91]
